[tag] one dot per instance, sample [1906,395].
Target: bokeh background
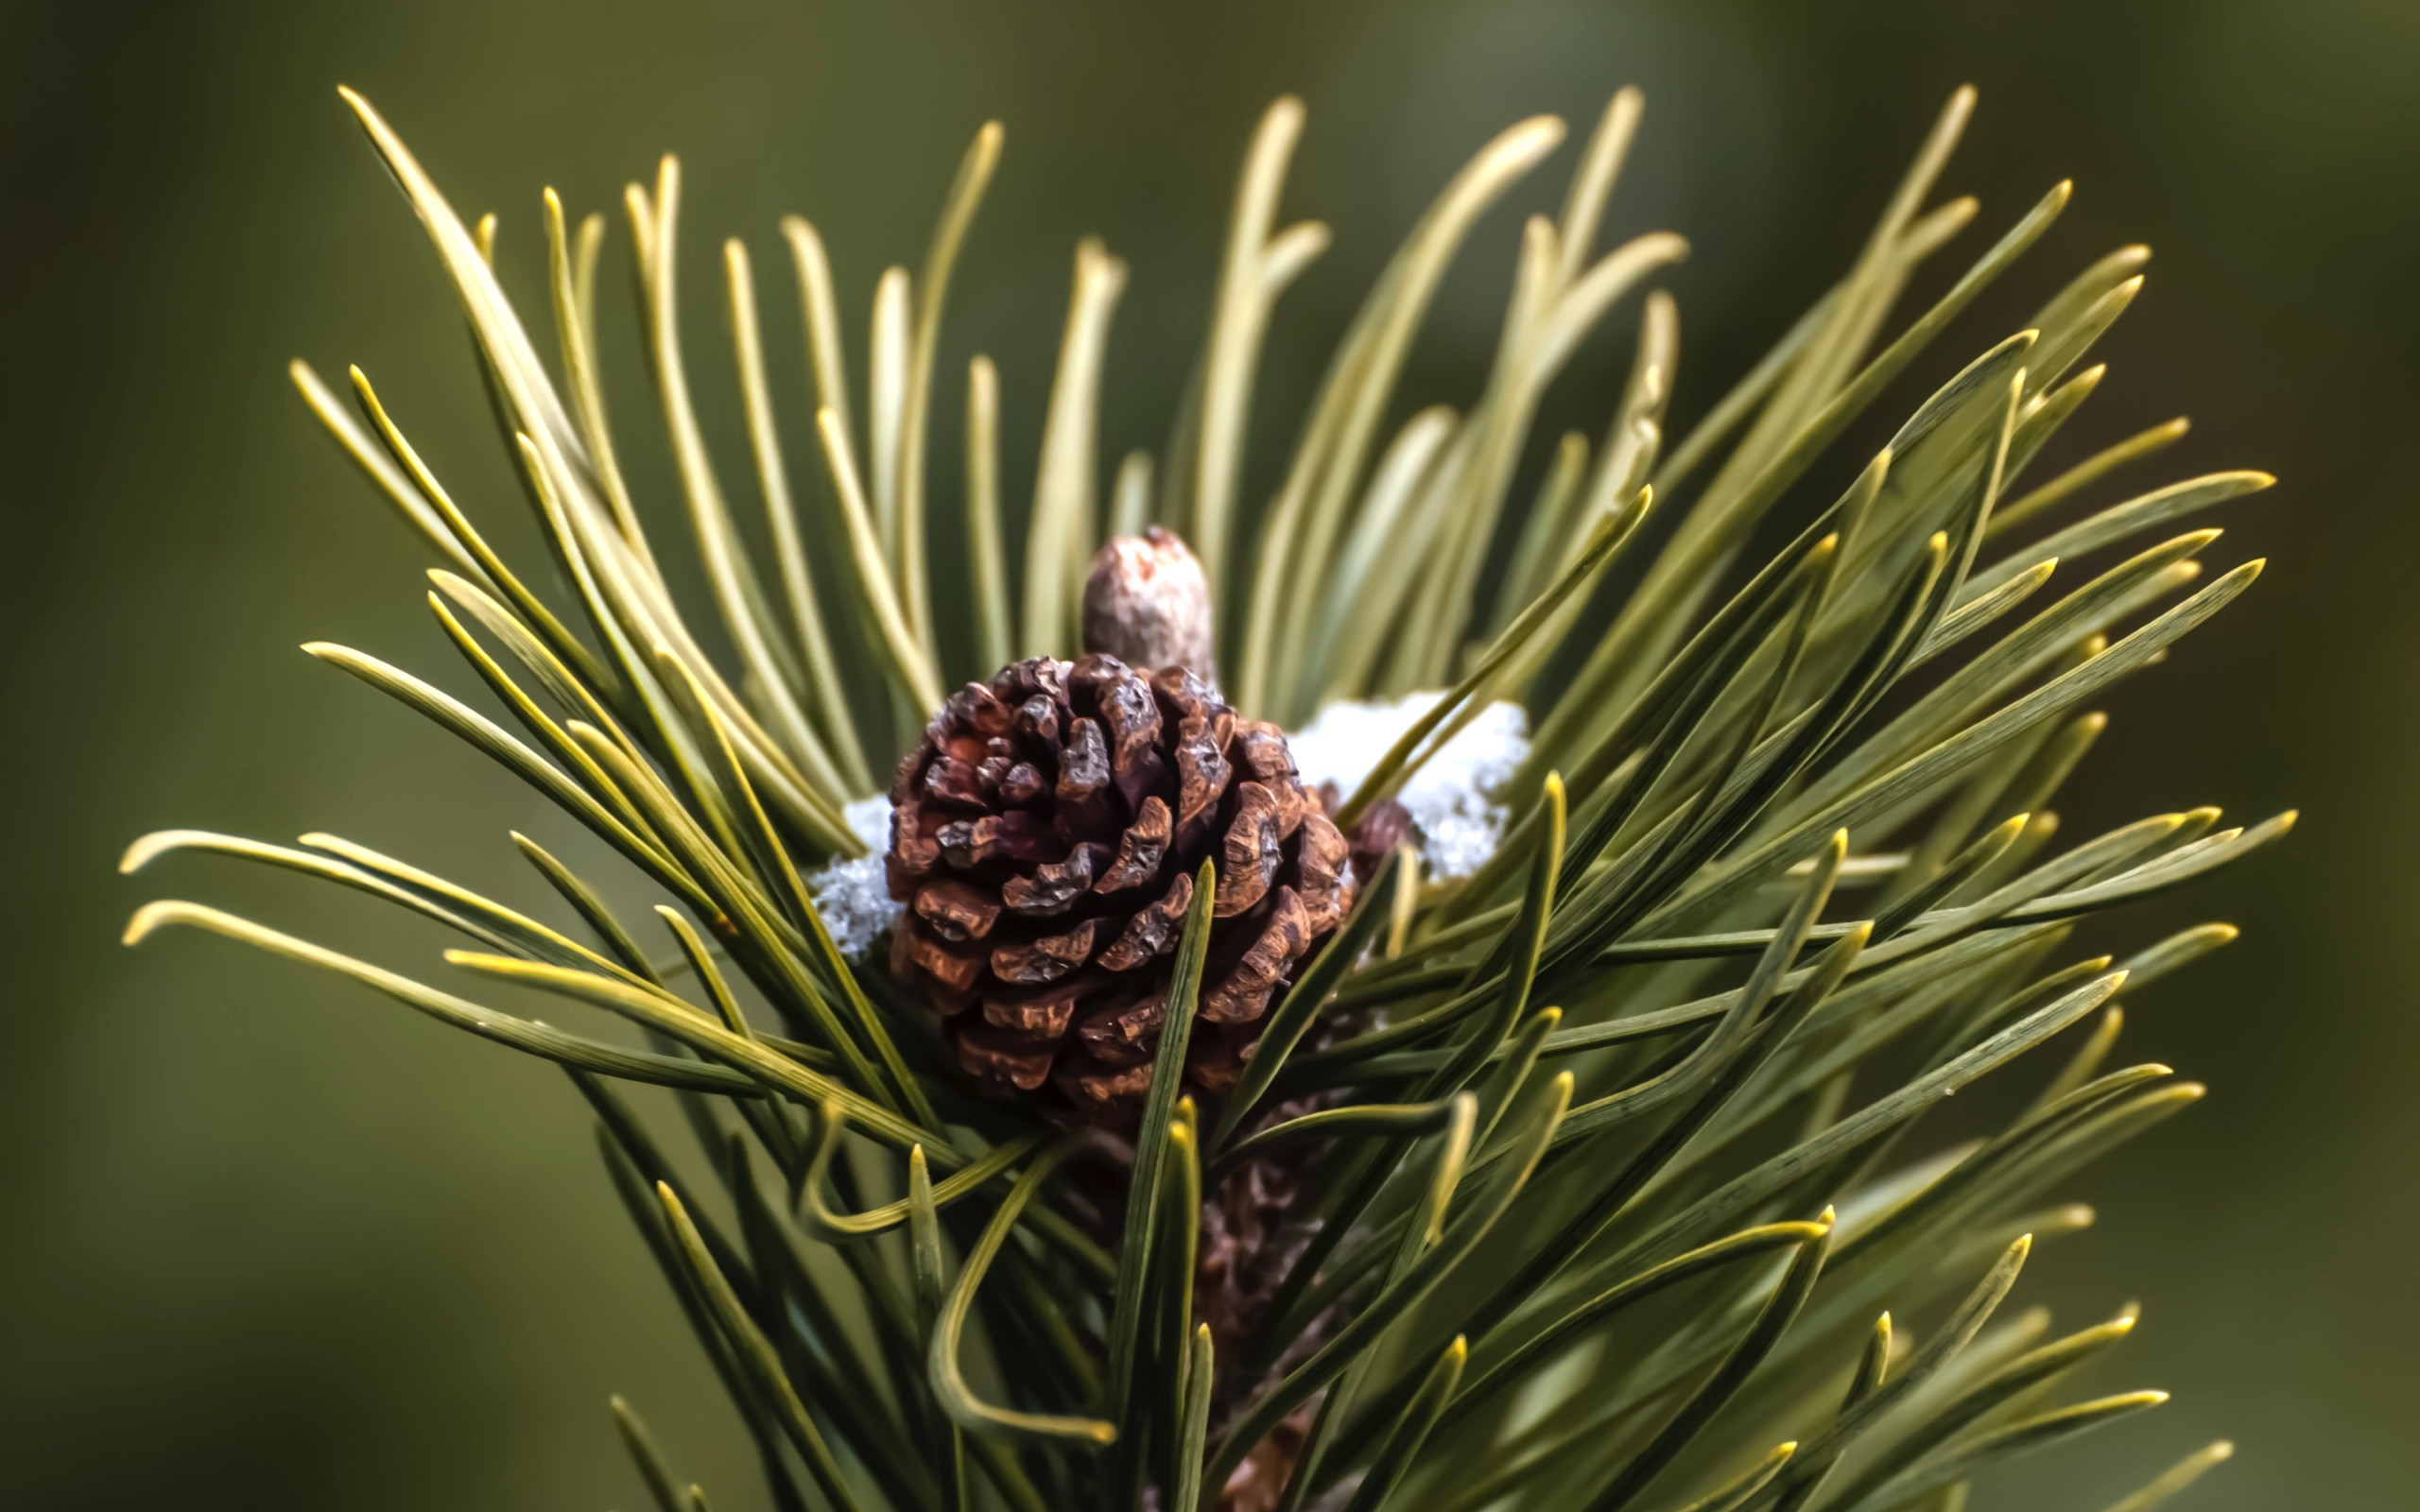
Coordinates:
[269,1242]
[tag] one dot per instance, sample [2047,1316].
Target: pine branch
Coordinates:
[1573,1181]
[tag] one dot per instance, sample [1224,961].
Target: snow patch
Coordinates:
[1451,798]
[854,896]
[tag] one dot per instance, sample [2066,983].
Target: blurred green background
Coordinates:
[269,1242]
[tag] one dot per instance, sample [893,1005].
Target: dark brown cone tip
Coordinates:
[1045,837]
[1383,826]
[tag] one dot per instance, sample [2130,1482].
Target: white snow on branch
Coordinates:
[1451,798]
[854,896]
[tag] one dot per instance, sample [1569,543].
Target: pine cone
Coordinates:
[1045,836]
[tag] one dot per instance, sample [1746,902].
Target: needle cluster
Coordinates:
[1618,1169]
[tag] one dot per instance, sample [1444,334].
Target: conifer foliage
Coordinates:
[1618,1174]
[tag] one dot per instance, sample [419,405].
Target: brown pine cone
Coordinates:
[1045,836]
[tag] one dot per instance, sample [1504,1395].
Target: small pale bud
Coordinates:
[1148,604]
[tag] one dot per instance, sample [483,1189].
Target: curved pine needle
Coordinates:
[527,936]
[1508,1370]
[539,1039]
[1954,1334]
[491,739]
[742,1053]
[2177,952]
[2090,471]
[885,403]
[2118,522]
[647,1458]
[1989,1449]
[907,661]
[152,847]
[820,313]
[375,465]
[738,593]
[591,908]
[1179,1262]
[1372,1119]
[1741,1015]
[824,684]
[1410,1432]
[2177,1477]
[490,565]
[1237,320]
[986,557]
[1372,566]
[932,289]
[571,267]
[2027,1373]
[949,1381]
[1415,1283]
[1513,1059]
[1779,1311]
[1517,957]
[757,1356]
[1058,542]
[1193,1422]
[1735,1492]
[823,1222]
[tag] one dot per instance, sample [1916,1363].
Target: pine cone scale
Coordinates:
[1154,930]
[1141,847]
